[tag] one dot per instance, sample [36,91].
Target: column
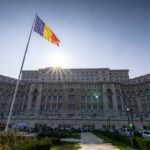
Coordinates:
[105,102]
[114,98]
[30,97]
[39,97]
[23,102]
[139,102]
[77,101]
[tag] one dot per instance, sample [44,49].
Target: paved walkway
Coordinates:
[92,142]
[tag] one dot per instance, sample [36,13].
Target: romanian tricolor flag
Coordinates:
[42,28]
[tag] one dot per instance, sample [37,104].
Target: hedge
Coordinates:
[43,144]
[54,134]
[139,142]
[142,143]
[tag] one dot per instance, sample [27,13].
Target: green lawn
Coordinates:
[75,136]
[66,146]
[114,143]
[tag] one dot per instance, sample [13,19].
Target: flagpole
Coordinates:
[18,81]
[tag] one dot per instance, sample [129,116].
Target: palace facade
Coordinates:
[77,98]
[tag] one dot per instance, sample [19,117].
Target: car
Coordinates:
[127,132]
[111,130]
[138,133]
[84,130]
[68,129]
[119,130]
[146,134]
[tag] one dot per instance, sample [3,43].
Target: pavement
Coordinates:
[70,140]
[92,142]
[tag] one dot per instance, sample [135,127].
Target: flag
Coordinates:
[42,28]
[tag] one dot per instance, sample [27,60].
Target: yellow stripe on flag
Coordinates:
[47,33]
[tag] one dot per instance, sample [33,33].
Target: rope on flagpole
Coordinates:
[18,81]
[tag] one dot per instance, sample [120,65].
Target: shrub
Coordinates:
[10,140]
[141,143]
[55,141]
[53,134]
[43,144]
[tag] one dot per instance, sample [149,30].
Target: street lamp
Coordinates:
[109,122]
[2,116]
[141,119]
[129,111]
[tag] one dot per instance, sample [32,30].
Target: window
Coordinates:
[82,99]
[54,99]
[54,103]
[48,103]
[43,103]
[82,103]
[71,107]
[94,99]
[1,91]
[71,90]
[144,104]
[71,99]
[89,100]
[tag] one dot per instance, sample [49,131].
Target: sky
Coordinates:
[111,34]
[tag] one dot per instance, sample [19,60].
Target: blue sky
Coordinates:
[93,34]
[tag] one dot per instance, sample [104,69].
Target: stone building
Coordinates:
[77,98]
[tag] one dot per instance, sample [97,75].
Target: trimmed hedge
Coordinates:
[139,142]
[43,144]
[142,143]
[54,134]
[115,136]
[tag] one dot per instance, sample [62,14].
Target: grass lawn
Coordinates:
[114,143]
[66,146]
[75,136]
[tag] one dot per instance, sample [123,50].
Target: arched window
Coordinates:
[147,91]
[7,92]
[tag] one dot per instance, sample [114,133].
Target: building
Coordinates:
[77,98]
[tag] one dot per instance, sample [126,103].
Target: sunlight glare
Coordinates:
[57,59]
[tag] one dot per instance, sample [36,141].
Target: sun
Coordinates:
[57,59]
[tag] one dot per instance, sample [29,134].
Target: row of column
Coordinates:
[77,101]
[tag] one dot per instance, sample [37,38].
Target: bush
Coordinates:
[55,141]
[141,143]
[61,134]
[43,144]
[10,140]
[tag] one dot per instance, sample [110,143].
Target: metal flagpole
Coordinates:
[17,84]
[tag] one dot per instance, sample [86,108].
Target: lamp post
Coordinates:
[2,116]
[109,122]
[141,119]
[129,111]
